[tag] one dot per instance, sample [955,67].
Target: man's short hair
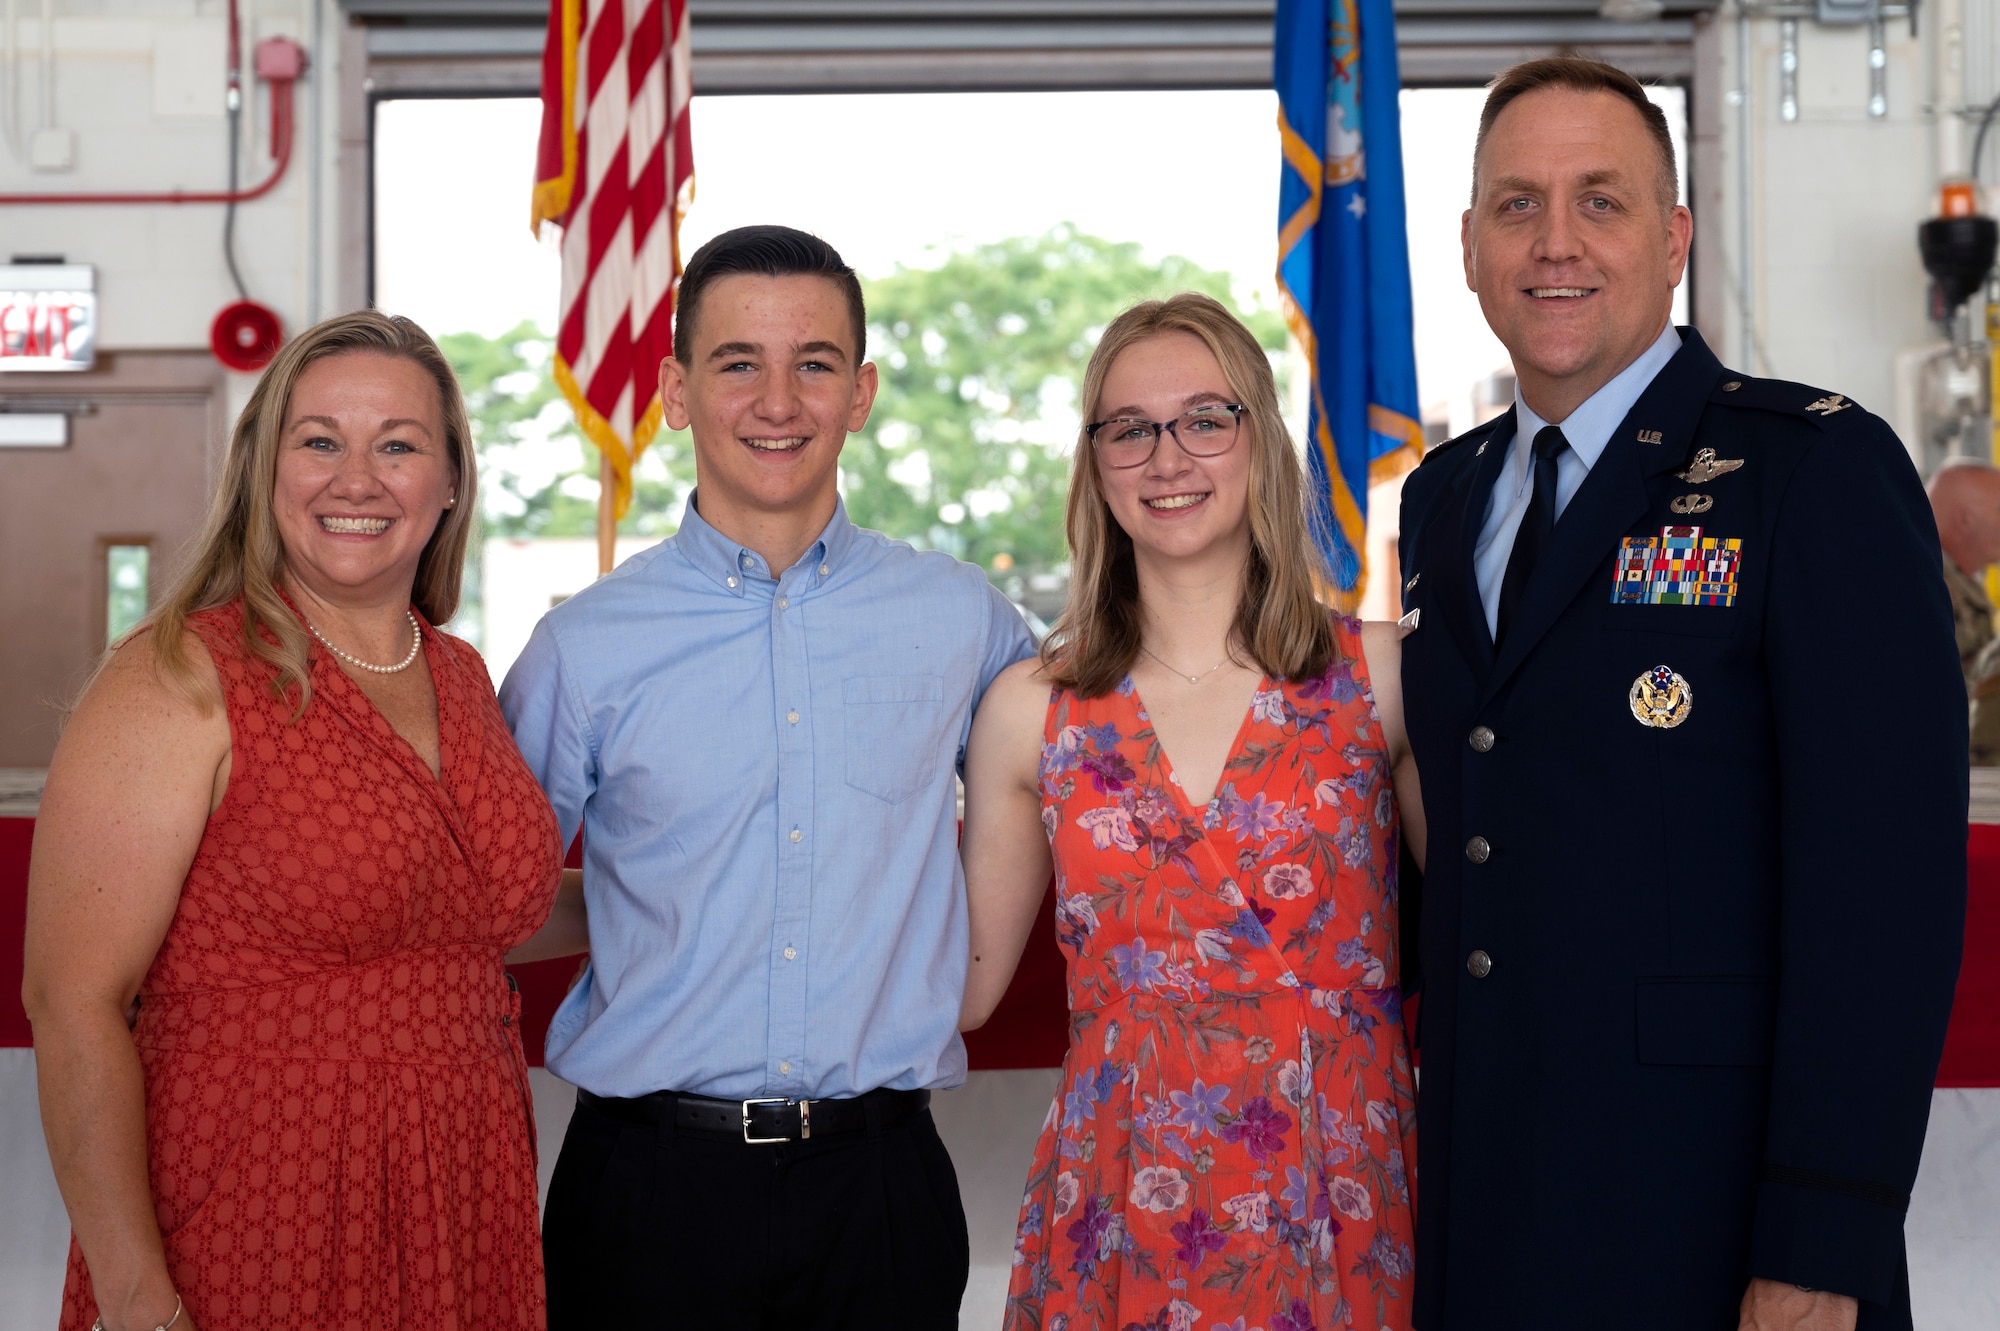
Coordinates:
[764,251]
[1577,74]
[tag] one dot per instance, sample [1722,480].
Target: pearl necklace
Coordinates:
[416,637]
[1192,679]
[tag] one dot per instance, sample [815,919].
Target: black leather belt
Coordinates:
[762,1120]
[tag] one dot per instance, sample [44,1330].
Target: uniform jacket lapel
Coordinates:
[1612,497]
[1458,527]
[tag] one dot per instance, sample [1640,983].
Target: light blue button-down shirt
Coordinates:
[1588,430]
[762,765]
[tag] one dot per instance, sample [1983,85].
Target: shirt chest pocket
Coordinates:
[893,733]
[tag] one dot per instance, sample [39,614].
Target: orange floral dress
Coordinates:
[338,1121]
[1231,1145]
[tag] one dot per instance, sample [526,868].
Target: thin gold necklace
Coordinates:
[1192,679]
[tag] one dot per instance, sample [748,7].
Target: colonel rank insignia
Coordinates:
[1680,566]
[1661,699]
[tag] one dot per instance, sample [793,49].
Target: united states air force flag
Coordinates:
[1343,259]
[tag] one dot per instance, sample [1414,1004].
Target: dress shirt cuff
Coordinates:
[1829,1240]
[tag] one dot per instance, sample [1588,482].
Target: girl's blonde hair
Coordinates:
[239,552]
[1280,621]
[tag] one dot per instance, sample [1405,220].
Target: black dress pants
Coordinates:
[649,1225]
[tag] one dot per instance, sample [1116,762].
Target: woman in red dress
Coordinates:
[288,826]
[1213,760]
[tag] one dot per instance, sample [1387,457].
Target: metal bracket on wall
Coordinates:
[1872,14]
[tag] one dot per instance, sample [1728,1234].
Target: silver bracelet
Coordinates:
[167,1325]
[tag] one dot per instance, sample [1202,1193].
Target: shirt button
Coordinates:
[1481,739]
[1478,850]
[792,717]
[785,1068]
[1478,965]
[744,560]
[731,581]
[824,570]
[784,603]
[791,954]
[798,835]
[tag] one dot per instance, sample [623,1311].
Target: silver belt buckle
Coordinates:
[762,1141]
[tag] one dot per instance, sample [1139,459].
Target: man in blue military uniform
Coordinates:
[1683,691]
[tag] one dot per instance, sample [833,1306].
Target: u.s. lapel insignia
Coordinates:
[1481,450]
[1688,504]
[1411,585]
[1651,437]
[1829,404]
[1661,699]
[1706,467]
[1408,623]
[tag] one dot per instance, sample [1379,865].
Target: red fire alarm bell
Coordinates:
[246,335]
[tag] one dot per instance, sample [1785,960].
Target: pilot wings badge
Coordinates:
[1706,467]
[1829,404]
[1661,699]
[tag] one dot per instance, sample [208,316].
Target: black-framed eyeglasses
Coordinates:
[1127,441]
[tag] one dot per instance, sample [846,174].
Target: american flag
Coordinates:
[615,171]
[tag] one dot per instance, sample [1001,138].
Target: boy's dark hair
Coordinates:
[764,251]
[1577,74]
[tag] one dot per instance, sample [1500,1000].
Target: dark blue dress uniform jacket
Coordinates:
[1722,953]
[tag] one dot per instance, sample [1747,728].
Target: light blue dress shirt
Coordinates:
[1588,430]
[762,765]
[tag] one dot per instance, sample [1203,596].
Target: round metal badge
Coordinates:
[1661,698]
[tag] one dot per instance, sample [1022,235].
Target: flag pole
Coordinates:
[607,505]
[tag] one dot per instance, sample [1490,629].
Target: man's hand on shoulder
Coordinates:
[1773,1305]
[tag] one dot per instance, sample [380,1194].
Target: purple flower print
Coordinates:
[1282,882]
[1260,1128]
[1296,1318]
[1251,1211]
[1351,1199]
[1087,1231]
[1395,1260]
[1351,952]
[1269,706]
[1076,919]
[1196,1108]
[1109,826]
[1104,736]
[1109,772]
[1255,818]
[1295,1192]
[1250,923]
[1137,968]
[1090,1089]
[1198,1237]
[1031,1224]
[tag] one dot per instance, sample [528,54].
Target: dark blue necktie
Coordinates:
[1536,524]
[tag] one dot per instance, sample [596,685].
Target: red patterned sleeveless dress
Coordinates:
[1232,1143]
[338,1118]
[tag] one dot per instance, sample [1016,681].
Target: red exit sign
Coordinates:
[48,316]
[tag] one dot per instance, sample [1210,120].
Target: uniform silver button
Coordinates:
[1481,739]
[791,954]
[1478,850]
[1478,965]
[793,717]
[798,835]
[784,603]
[1732,385]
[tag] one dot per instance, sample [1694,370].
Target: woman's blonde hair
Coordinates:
[1280,621]
[239,552]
